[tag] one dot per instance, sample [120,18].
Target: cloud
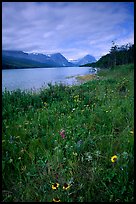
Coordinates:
[72,28]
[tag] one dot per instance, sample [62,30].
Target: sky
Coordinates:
[74,29]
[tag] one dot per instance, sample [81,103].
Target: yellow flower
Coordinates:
[56,200]
[77,96]
[45,103]
[114,158]
[66,186]
[17,137]
[55,186]
[74,153]
[132,132]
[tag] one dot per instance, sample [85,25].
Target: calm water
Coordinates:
[26,79]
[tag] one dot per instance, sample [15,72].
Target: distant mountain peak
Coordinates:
[86,59]
[56,54]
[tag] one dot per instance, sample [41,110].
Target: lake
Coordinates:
[36,78]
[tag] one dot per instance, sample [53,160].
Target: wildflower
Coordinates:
[89,158]
[55,186]
[3,141]
[17,137]
[19,158]
[11,139]
[23,168]
[45,104]
[98,153]
[56,200]
[125,155]
[121,168]
[118,200]
[132,132]
[77,96]
[66,186]
[114,158]
[22,150]
[26,123]
[107,111]
[79,143]
[74,153]
[11,160]
[62,133]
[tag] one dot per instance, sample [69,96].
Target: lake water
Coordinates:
[27,79]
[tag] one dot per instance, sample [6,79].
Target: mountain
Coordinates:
[60,60]
[86,59]
[20,59]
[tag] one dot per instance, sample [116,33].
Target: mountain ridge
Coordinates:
[84,60]
[20,59]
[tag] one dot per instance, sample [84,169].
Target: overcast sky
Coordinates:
[72,28]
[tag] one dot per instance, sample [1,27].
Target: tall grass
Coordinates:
[67,136]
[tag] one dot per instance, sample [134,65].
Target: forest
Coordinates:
[118,55]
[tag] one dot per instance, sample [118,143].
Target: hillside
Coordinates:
[19,59]
[15,63]
[117,56]
[70,144]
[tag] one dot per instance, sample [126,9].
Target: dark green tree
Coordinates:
[117,56]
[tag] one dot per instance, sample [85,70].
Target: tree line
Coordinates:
[116,56]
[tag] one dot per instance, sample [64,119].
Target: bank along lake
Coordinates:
[37,78]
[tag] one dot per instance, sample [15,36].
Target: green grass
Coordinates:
[98,120]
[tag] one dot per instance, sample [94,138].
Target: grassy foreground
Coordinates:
[70,144]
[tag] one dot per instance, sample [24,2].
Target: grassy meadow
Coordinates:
[70,144]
